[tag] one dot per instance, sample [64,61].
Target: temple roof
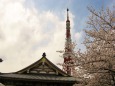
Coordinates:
[42,66]
[32,77]
[41,70]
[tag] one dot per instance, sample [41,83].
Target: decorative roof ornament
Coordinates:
[44,54]
[1,60]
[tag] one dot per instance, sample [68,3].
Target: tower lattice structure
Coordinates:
[68,52]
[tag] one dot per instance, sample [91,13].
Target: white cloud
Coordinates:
[25,33]
[78,35]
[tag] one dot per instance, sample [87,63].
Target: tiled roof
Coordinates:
[47,61]
[44,71]
[34,77]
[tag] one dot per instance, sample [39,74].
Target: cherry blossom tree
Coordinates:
[99,58]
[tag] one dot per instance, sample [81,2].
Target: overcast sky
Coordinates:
[30,27]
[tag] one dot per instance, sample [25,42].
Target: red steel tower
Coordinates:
[68,53]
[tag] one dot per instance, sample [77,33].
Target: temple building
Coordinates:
[43,72]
